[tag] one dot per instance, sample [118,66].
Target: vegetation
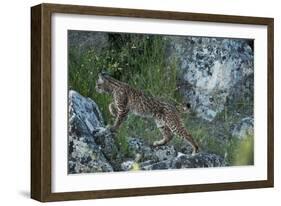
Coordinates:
[245,152]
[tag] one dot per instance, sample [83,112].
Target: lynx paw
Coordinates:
[157,143]
[195,151]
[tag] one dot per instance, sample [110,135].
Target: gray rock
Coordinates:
[127,165]
[84,154]
[166,157]
[164,153]
[212,72]
[157,166]
[86,111]
[106,140]
[197,161]
[85,40]
[138,147]
[86,158]
[243,128]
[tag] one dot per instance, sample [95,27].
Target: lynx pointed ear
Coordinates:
[100,75]
[100,78]
[104,74]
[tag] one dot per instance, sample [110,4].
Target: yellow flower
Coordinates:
[135,167]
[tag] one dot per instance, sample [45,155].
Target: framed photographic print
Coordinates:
[130,102]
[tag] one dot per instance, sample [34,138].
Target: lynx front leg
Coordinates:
[120,106]
[112,109]
[121,116]
[167,136]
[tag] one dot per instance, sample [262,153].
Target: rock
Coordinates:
[164,153]
[106,140]
[85,40]
[197,161]
[243,128]
[84,154]
[157,166]
[137,147]
[127,165]
[85,112]
[166,157]
[85,157]
[212,71]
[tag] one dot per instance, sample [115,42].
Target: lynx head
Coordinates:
[102,83]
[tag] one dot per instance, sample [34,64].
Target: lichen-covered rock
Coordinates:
[137,147]
[85,112]
[85,40]
[197,161]
[243,128]
[212,71]
[157,165]
[106,140]
[127,165]
[166,157]
[165,152]
[84,155]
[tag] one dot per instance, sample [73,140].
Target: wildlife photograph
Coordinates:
[142,102]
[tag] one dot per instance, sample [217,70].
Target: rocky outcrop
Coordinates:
[145,152]
[106,141]
[243,128]
[84,156]
[166,157]
[180,161]
[85,40]
[213,70]
[86,151]
[92,147]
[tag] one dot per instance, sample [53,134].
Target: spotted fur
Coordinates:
[128,99]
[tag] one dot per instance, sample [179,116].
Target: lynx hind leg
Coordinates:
[184,134]
[112,109]
[177,128]
[167,136]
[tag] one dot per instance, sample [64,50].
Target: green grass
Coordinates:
[244,153]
